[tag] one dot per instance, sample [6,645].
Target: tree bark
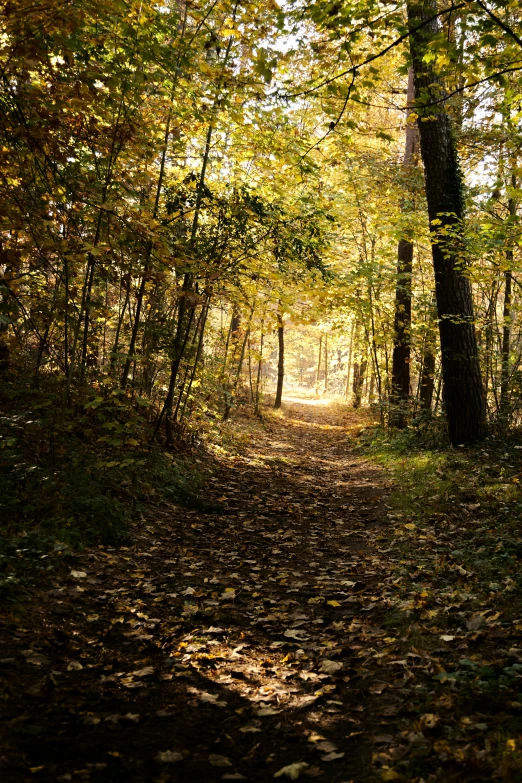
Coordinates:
[349,361]
[426,387]
[318,365]
[402,318]
[463,390]
[280,361]
[506,325]
[359,372]
[427,380]
[325,363]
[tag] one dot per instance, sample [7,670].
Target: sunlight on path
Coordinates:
[225,643]
[315,401]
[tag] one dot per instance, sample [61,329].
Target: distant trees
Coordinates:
[184,188]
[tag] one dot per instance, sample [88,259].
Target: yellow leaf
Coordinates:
[389,774]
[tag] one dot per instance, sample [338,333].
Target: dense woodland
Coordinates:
[216,217]
[181,181]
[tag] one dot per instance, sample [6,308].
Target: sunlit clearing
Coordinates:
[310,400]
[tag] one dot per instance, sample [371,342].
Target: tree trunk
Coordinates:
[463,390]
[280,361]
[230,401]
[325,363]
[349,361]
[259,369]
[199,353]
[506,326]
[318,365]
[400,382]
[359,372]
[427,379]
[371,391]
[427,374]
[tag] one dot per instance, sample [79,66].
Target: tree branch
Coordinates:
[500,23]
[376,56]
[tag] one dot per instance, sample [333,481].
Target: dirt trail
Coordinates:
[224,645]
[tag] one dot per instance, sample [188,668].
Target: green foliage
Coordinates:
[439,485]
[79,475]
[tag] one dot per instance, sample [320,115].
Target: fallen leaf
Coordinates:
[326,747]
[332,756]
[78,574]
[264,712]
[131,717]
[306,701]
[219,761]
[292,771]
[429,721]
[210,698]
[476,622]
[34,657]
[330,667]
[146,672]
[389,774]
[379,687]
[295,633]
[314,737]
[169,756]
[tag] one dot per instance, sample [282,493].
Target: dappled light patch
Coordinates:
[302,627]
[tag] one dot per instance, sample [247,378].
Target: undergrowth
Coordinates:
[455,529]
[477,491]
[77,474]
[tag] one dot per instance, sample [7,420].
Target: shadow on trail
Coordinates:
[230,639]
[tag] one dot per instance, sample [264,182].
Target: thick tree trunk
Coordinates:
[280,361]
[463,391]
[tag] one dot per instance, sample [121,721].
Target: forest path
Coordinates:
[224,645]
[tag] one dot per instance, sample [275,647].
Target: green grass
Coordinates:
[474,493]
[455,531]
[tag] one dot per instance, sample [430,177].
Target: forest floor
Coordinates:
[301,627]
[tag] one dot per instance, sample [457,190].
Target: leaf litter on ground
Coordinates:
[303,620]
